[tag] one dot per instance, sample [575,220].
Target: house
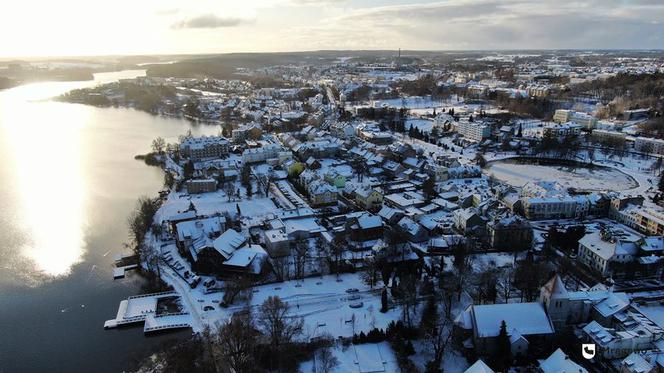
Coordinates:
[638,334]
[512,233]
[389,215]
[277,242]
[598,250]
[411,230]
[201,186]
[467,220]
[637,363]
[368,198]
[196,233]
[322,193]
[524,321]
[364,227]
[559,362]
[479,367]
[209,257]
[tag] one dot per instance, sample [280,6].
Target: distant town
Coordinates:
[404,211]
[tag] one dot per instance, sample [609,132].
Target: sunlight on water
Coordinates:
[46,164]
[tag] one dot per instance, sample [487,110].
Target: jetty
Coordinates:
[145,309]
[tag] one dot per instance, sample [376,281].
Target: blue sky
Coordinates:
[88,27]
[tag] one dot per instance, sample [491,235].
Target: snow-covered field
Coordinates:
[518,175]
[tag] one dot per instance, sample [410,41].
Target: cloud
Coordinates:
[493,24]
[208,21]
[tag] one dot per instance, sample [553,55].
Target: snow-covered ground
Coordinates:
[369,357]
[596,178]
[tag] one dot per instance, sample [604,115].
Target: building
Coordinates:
[645,220]
[527,324]
[246,131]
[649,145]
[322,193]
[368,198]
[585,120]
[606,136]
[559,362]
[472,130]
[264,153]
[561,130]
[197,148]
[598,250]
[201,186]
[511,233]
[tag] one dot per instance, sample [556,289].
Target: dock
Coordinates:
[119,272]
[143,309]
[123,263]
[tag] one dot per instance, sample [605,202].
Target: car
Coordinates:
[354,297]
[208,308]
[352,290]
[356,305]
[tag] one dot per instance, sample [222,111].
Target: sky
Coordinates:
[96,27]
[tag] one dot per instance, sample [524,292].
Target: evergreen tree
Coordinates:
[383,301]
[503,357]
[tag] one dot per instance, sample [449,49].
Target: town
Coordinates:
[473,212]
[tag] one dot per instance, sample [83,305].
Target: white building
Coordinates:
[203,147]
[472,130]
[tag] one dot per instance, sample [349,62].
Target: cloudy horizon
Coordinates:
[79,27]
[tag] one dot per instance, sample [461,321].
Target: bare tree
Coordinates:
[371,271]
[301,255]
[276,324]
[435,331]
[236,285]
[325,360]
[236,343]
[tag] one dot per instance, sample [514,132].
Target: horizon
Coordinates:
[74,28]
[396,50]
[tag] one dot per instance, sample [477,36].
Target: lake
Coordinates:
[69,181]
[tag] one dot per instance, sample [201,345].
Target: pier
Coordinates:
[144,308]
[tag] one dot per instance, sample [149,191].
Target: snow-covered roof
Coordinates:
[559,362]
[615,303]
[228,242]
[479,367]
[527,318]
[556,288]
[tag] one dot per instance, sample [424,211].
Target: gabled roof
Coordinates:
[479,367]
[559,362]
[527,318]
[228,242]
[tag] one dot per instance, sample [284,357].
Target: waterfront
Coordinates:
[69,182]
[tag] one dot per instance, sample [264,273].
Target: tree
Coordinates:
[236,342]
[435,332]
[383,300]
[429,188]
[503,357]
[188,170]
[338,247]
[235,286]
[158,145]
[325,360]
[301,255]
[276,324]
[371,271]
